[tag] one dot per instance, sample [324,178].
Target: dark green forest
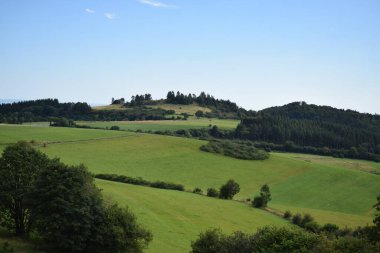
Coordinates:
[299,125]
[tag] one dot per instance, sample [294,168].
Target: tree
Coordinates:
[67,208]
[19,167]
[264,198]
[229,189]
[122,233]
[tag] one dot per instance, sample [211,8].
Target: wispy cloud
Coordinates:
[88,10]
[110,16]
[157,4]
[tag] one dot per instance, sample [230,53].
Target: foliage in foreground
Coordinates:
[279,240]
[19,166]
[236,150]
[65,210]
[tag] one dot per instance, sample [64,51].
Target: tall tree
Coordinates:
[19,167]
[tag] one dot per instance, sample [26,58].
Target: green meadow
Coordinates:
[162,125]
[176,218]
[340,191]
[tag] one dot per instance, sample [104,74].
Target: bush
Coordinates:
[229,189]
[330,228]
[115,128]
[258,202]
[212,192]
[306,219]
[287,215]
[198,190]
[297,219]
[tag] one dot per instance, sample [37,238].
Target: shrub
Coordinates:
[287,214]
[197,190]
[212,192]
[306,219]
[229,189]
[258,202]
[330,228]
[115,128]
[297,219]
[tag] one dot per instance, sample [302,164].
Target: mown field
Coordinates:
[163,125]
[340,191]
[176,218]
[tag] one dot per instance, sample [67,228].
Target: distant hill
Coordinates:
[302,124]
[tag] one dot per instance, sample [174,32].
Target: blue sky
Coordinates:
[258,53]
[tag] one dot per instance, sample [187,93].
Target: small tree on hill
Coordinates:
[229,189]
[262,200]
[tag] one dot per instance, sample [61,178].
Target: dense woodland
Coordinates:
[50,109]
[299,125]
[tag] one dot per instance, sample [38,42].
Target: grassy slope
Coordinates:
[165,124]
[190,109]
[14,133]
[176,218]
[327,187]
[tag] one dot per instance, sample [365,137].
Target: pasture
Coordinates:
[162,125]
[176,218]
[340,191]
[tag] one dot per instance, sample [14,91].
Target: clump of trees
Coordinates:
[229,189]
[62,206]
[262,200]
[220,108]
[235,149]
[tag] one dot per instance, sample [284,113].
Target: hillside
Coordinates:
[333,190]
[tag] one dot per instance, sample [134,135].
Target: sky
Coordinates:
[257,53]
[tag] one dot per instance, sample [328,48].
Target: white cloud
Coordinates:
[88,10]
[109,15]
[156,4]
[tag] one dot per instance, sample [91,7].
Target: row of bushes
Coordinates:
[307,222]
[140,181]
[236,150]
[278,240]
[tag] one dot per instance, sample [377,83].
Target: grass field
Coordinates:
[162,125]
[340,191]
[190,109]
[176,218]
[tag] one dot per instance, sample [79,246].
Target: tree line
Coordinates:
[53,110]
